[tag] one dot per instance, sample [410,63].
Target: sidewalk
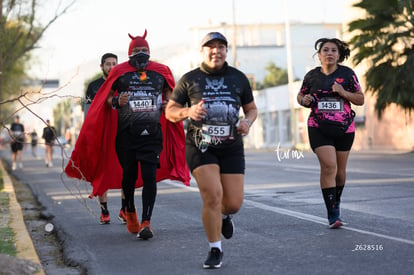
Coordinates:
[27,260]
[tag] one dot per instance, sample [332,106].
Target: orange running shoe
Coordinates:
[132,222]
[105,219]
[145,231]
[122,216]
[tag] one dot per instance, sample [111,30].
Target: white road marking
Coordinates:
[319,220]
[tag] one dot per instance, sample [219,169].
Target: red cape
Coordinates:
[94,158]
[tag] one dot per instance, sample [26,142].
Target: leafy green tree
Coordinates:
[384,39]
[62,116]
[276,76]
[20,32]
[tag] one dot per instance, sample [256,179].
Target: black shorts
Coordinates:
[145,148]
[16,146]
[50,143]
[342,143]
[230,159]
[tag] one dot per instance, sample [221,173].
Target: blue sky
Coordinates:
[91,27]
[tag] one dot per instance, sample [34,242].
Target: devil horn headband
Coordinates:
[133,37]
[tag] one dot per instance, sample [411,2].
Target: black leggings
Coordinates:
[130,174]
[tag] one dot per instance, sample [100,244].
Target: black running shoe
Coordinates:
[227,227]
[145,231]
[214,258]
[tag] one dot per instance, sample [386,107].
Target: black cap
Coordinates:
[213,36]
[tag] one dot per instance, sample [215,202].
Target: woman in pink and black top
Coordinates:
[329,90]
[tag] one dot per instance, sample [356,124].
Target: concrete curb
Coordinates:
[24,245]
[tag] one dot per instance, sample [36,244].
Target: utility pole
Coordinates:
[234,40]
[290,73]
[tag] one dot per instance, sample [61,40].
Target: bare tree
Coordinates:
[20,33]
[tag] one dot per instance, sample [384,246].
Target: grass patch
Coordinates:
[7,243]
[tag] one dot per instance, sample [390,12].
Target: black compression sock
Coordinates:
[329,196]
[104,208]
[339,190]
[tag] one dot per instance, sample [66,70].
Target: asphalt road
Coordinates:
[281,228]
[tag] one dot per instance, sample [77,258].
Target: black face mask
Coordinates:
[139,60]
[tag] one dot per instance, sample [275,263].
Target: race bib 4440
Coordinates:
[142,104]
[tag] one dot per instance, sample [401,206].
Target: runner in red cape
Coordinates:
[94,158]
